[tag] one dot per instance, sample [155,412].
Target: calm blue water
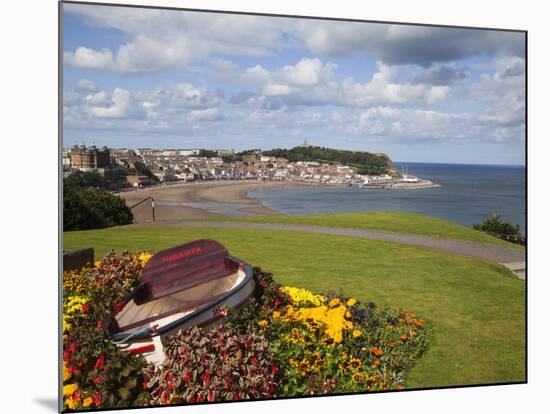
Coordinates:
[468,194]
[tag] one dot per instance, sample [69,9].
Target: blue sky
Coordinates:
[175,79]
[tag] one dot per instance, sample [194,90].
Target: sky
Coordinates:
[140,78]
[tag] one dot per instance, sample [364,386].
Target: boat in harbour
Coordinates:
[193,284]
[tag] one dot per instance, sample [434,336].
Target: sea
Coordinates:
[468,194]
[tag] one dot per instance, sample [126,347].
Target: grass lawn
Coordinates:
[400,222]
[476,308]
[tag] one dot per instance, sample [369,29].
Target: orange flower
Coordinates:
[376,363]
[403,337]
[413,333]
[389,327]
[376,351]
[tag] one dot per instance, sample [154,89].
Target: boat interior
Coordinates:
[179,304]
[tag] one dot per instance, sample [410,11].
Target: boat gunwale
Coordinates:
[116,329]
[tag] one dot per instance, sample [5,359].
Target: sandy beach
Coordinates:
[200,200]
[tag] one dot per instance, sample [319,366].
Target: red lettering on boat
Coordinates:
[185,253]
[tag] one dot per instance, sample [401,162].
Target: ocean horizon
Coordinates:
[469,193]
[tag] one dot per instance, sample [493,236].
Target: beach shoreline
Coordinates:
[199,200]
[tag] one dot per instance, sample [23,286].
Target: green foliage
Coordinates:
[495,225]
[207,153]
[142,169]
[212,365]
[85,179]
[90,208]
[365,162]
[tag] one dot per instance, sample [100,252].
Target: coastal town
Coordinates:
[143,167]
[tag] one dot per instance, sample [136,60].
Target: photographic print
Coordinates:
[261,207]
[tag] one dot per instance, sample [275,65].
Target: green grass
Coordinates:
[476,308]
[393,221]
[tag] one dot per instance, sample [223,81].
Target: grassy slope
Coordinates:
[476,307]
[401,222]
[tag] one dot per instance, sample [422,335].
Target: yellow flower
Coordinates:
[356,333]
[276,314]
[66,372]
[144,257]
[72,403]
[70,389]
[351,301]
[303,297]
[262,323]
[87,402]
[334,302]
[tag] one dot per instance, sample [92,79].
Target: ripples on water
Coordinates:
[468,194]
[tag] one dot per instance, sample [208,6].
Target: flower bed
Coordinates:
[284,342]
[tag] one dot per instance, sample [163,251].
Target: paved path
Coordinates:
[484,251]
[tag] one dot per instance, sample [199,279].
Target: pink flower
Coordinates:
[99,324]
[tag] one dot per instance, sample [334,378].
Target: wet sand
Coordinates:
[201,200]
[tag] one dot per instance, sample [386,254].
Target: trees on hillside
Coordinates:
[86,208]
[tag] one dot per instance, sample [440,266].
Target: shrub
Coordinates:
[212,365]
[496,226]
[90,208]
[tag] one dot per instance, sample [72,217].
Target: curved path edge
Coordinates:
[477,250]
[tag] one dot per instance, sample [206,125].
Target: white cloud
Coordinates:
[275,89]
[306,72]
[163,39]
[86,85]
[256,75]
[85,58]
[437,93]
[210,114]
[121,106]
[504,91]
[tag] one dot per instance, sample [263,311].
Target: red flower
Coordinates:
[145,385]
[170,380]
[119,306]
[85,307]
[99,380]
[211,395]
[206,378]
[277,302]
[99,324]
[97,399]
[100,362]
[274,369]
